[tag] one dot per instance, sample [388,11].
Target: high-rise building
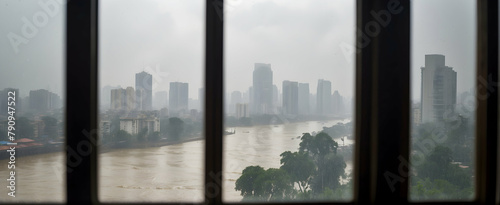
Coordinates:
[290,97]
[242,110]
[312,103]
[105,97]
[303,98]
[123,99]
[337,103]
[262,89]
[43,100]
[276,99]
[245,97]
[438,89]
[250,98]
[160,100]
[144,91]
[235,99]
[323,97]
[201,98]
[178,98]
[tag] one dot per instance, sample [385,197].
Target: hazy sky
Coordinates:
[300,39]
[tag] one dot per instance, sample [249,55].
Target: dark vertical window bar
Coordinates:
[213,100]
[487,102]
[392,88]
[81,101]
[363,112]
[382,102]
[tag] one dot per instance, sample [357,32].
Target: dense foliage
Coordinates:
[314,172]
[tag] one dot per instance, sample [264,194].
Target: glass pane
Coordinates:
[151,74]
[32,90]
[443,100]
[289,76]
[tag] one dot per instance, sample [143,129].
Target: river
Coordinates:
[160,174]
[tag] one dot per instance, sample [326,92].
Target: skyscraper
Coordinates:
[43,100]
[323,97]
[241,110]
[178,97]
[160,100]
[303,98]
[290,97]
[235,99]
[337,103]
[144,91]
[276,99]
[201,98]
[438,89]
[262,89]
[123,99]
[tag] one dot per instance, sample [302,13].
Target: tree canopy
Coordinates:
[314,172]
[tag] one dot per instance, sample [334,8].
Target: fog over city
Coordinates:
[289,77]
[300,39]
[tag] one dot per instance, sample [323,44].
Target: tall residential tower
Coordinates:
[144,91]
[438,89]
[323,97]
[178,98]
[262,89]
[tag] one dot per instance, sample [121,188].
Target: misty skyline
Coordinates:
[300,39]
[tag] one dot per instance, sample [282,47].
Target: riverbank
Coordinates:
[135,145]
[257,120]
[131,145]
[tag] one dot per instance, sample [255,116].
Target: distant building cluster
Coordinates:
[295,98]
[139,109]
[175,102]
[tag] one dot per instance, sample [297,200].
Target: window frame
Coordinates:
[388,54]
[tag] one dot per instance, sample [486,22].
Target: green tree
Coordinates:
[318,146]
[141,136]
[439,189]
[299,166]
[24,128]
[175,128]
[123,136]
[164,126]
[330,166]
[316,168]
[438,178]
[154,137]
[438,166]
[272,184]
[330,171]
[50,127]
[245,183]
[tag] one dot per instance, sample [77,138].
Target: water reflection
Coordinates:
[168,173]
